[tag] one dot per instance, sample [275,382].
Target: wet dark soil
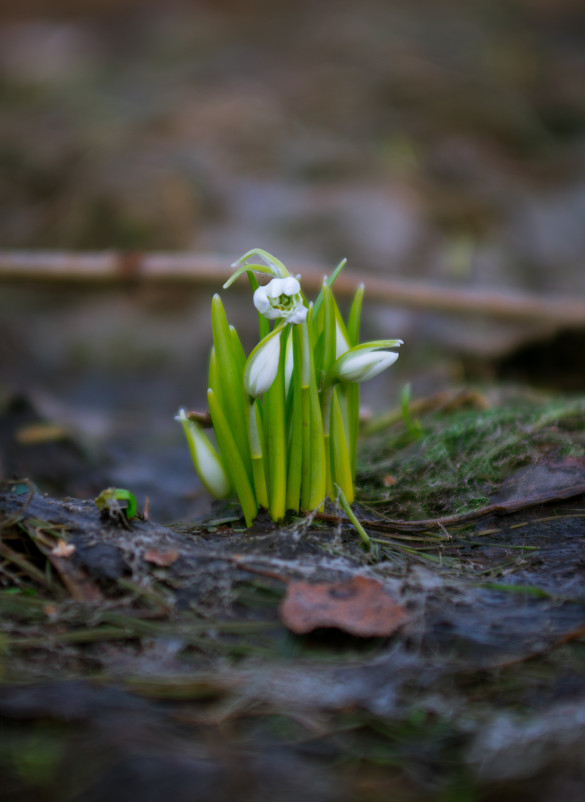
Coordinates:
[149,659]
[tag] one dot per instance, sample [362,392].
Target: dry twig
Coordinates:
[209,270]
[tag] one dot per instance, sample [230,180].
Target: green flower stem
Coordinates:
[275,432]
[315,465]
[234,464]
[329,332]
[239,355]
[230,390]
[318,459]
[263,323]
[272,267]
[344,504]
[329,282]
[355,315]
[352,397]
[295,451]
[212,377]
[257,450]
[305,414]
[340,456]
[326,396]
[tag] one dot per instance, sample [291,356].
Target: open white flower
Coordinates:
[262,365]
[365,361]
[282,298]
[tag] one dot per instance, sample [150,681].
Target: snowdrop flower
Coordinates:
[282,298]
[365,361]
[262,365]
[205,458]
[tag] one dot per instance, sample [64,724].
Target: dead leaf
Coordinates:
[360,606]
[162,558]
[35,433]
[63,549]
[51,610]
[546,480]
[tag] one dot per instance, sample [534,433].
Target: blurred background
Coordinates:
[438,141]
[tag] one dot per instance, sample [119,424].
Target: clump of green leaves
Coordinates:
[285,418]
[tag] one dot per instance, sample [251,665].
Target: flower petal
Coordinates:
[298,314]
[205,458]
[290,286]
[261,301]
[274,288]
[359,365]
[262,365]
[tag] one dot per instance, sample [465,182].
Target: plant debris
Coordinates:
[412,655]
[360,606]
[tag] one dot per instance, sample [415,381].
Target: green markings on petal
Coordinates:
[234,464]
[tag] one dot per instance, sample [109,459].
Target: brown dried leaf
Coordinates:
[162,558]
[360,606]
[63,549]
[545,480]
[35,433]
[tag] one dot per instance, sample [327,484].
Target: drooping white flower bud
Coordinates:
[281,298]
[205,458]
[365,361]
[262,365]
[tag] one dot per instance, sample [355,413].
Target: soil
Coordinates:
[141,659]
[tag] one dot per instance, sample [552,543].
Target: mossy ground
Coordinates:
[458,459]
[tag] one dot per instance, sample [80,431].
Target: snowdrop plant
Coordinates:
[285,418]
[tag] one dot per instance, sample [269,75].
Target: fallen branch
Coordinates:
[499,508]
[209,270]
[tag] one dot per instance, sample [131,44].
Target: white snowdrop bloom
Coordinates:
[365,361]
[262,365]
[281,298]
[205,458]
